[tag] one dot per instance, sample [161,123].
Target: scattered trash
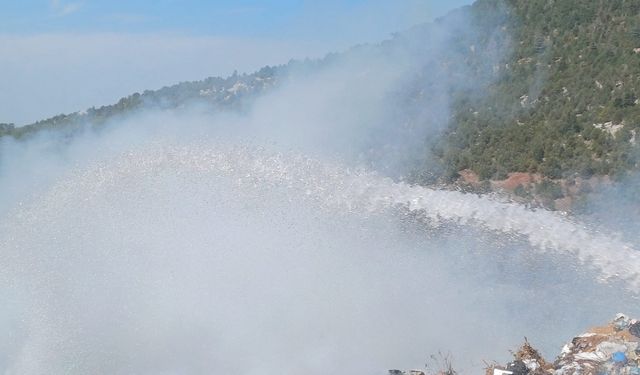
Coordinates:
[619,357]
[527,361]
[621,322]
[612,349]
[517,368]
[634,329]
[410,372]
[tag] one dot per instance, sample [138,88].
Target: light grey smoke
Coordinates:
[274,241]
[206,258]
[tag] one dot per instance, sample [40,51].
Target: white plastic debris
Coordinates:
[620,316]
[621,322]
[531,364]
[607,348]
[566,349]
[590,356]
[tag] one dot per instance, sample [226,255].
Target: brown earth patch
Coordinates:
[470,177]
[516,179]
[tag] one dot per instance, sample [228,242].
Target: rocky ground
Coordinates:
[565,194]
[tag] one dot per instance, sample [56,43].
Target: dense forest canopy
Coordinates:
[566,100]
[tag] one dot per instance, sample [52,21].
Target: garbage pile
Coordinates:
[527,361]
[612,349]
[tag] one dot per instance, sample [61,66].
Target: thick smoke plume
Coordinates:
[280,240]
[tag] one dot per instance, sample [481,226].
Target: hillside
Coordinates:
[553,96]
[566,101]
[214,92]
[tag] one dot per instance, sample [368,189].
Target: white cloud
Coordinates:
[61,9]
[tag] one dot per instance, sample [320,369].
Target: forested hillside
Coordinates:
[215,92]
[555,93]
[566,100]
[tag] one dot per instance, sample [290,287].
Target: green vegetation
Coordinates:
[565,102]
[557,92]
[217,93]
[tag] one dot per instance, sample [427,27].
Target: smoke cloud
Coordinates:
[281,240]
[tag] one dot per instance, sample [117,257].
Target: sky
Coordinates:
[61,56]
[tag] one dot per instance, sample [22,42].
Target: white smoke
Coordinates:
[274,242]
[208,258]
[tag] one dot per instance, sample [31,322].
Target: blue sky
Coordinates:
[282,18]
[61,56]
